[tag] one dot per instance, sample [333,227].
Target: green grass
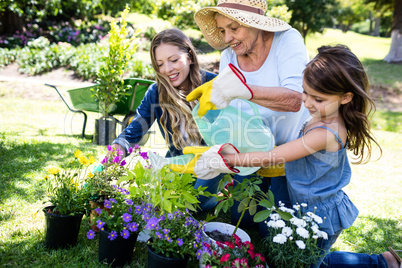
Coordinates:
[37,134]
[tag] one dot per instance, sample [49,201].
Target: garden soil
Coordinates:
[16,84]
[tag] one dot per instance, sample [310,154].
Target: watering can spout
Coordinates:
[158,161]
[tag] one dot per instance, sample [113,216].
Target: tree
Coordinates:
[395,52]
[349,12]
[310,16]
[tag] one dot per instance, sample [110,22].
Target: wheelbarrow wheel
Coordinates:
[127,120]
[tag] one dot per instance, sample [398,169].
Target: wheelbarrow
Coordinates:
[82,101]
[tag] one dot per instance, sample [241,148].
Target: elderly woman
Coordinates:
[271,56]
[266,59]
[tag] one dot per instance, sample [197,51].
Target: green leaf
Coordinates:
[252,207]
[190,198]
[284,215]
[265,203]
[262,215]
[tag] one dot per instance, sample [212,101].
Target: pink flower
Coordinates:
[225,258]
[258,255]
[229,245]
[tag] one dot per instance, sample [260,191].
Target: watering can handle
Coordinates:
[255,110]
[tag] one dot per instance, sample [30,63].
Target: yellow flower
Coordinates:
[54,170]
[47,177]
[78,154]
[83,160]
[90,175]
[73,182]
[91,159]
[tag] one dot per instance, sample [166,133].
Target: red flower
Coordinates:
[258,255]
[225,258]
[229,245]
[244,262]
[251,253]
[248,243]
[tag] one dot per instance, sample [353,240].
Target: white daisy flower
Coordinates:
[275,216]
[300,244]
[280,224]
[302,232]
[280,239]
[287,231]
[303,205]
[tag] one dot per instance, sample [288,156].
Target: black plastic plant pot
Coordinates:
[157,261]
[61,231]
[116,252]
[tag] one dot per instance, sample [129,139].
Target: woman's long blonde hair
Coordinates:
[172,101]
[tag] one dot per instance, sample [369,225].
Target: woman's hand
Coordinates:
[230,84]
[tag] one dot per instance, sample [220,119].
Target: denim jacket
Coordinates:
[149,111]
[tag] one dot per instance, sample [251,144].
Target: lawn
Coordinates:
[37,134]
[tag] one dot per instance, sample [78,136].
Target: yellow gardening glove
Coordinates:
[230,84]
[203,93]
[208,162]
[272,171]
[189,167]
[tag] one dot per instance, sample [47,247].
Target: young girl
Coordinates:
[336,93]
[177,70]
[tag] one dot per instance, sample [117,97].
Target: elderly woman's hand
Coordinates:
[218,93]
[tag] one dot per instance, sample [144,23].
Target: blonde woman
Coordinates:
[177,74]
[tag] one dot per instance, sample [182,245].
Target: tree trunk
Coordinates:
[395,51]
[377,24]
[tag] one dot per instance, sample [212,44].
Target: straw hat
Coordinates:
[249,13]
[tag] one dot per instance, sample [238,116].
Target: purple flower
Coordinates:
[91,234]
[167,238]
[113,200]
[166,231]
[170,216]
[107,204]
[112,235]
[138,209]
[127,217]
[133,226]
[123,162]
[129,202]
[125,191]
[199,253]
[179,242]
[117,159]
[105,160]
[144,155]
[159,235]
[130,150]
[109,148]
[198,237]
[99,224]
[136,147]
[125,234]
[152,223]
[98,210]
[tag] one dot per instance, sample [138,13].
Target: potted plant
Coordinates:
[293,242]
[67,204]
[175,237]
[249,196]
[111,88]
[119,222]
[231,254]
[99,185]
